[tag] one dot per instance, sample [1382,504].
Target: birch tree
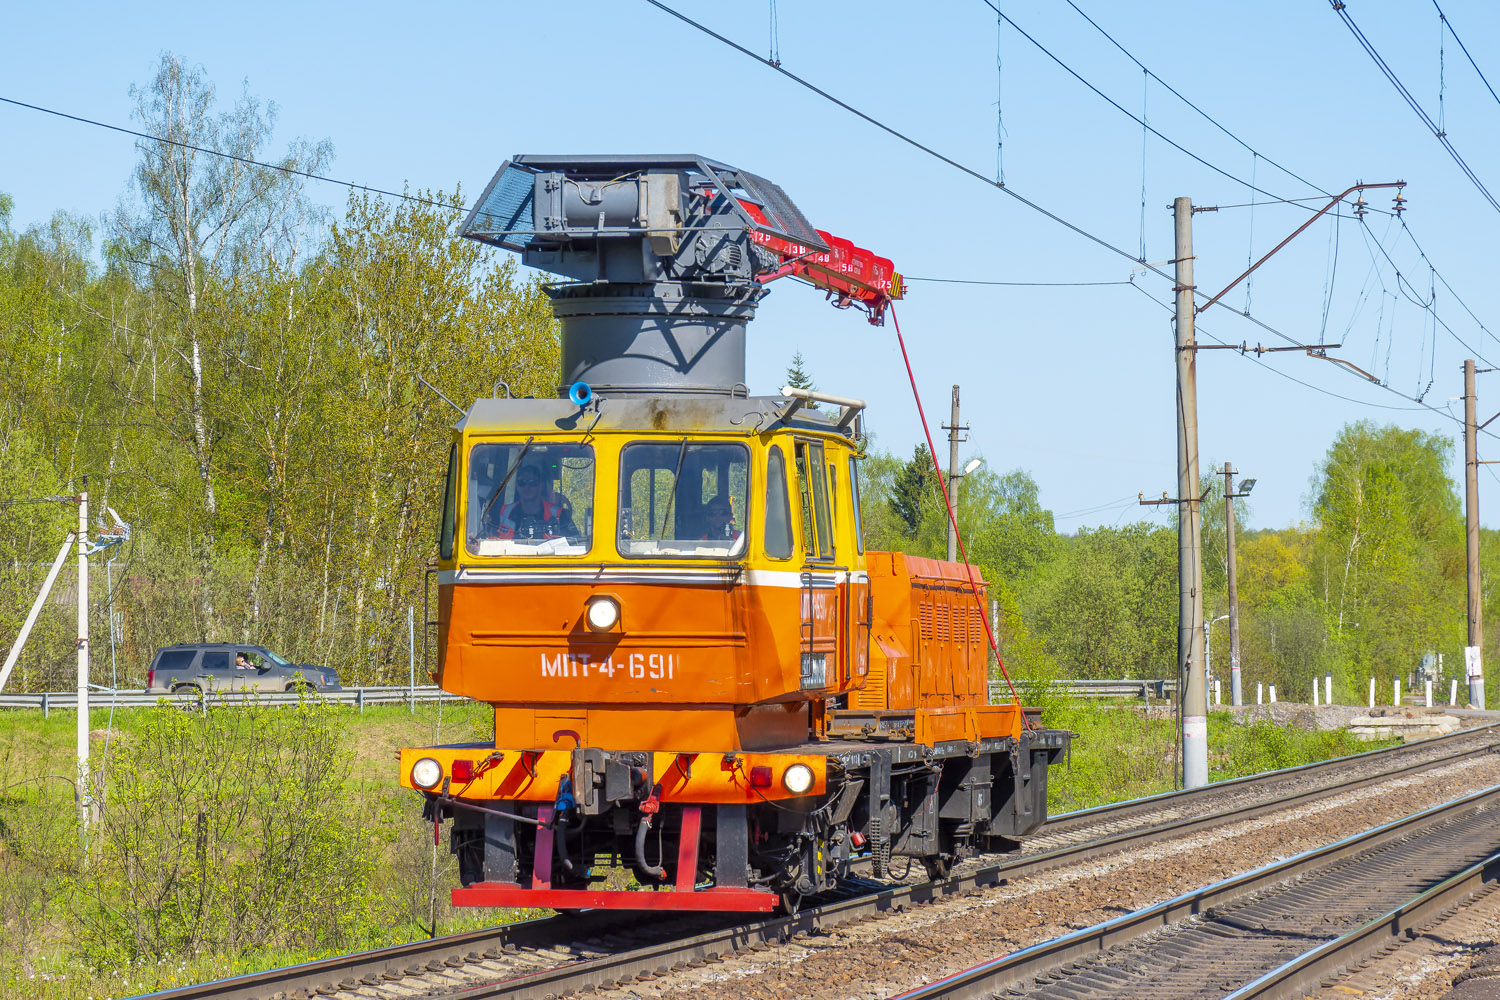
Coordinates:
[203,213]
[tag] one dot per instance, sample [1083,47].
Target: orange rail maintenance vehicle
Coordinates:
[699,675]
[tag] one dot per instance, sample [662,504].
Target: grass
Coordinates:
[362,857]
[1121,753]
[362,846]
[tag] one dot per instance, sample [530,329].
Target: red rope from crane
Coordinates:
[953,519]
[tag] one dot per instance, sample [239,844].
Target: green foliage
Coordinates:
[911,490]
[226,831]
[1240,750]
[239,382]
[1121,752]
[798,378]
[1107,605]
[240,840]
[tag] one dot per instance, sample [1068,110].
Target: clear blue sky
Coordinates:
[1072,384]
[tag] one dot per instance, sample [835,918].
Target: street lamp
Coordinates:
[953,478]
[1246,485]
[1208,663]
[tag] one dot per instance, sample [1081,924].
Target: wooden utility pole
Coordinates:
[1189,516]
[1234,589]
[1473,662]
[954,429]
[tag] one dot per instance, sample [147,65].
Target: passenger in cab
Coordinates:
[531,514]
[718,521]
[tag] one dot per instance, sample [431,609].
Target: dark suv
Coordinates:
[211,666]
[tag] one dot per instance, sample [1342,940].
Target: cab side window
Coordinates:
[816,537]
[778,507]
[215,661]
[859,527]
[450,506]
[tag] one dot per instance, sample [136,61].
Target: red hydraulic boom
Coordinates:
[851,275]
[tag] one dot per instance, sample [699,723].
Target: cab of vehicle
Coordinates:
[232,667]
[601,570]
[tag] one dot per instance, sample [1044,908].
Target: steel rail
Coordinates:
[453,951]
[660,958]
[989,978]
[1115,811]
[1307,971]
[398,961]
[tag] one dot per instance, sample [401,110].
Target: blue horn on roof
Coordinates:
[580,393]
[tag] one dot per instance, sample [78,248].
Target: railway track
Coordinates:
[1274,932]
[559,955]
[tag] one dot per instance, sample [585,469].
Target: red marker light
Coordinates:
[760,776]
[463,771]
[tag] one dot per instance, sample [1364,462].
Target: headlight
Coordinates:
[603,614]
[798,779]
[426,773]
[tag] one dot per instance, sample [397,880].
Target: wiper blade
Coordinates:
[500,490]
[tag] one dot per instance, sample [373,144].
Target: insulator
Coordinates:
[1360,205]
[1399,202]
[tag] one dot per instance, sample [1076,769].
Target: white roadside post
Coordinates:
[1372,692]
[1474,670]
[85,799]
[1453,694]
[1260,692]
[1396,693]
[1273,694]
[1328,689]
[411,651]
[1315,693]
[1429,693]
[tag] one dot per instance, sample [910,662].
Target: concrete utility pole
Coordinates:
[1189,519]
[954,429]
[82,790]
[1473,663]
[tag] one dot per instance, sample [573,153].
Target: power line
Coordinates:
[1015,284]
[903,137]
[1006,189]
[1406,95]
[1119,107]
[351,185]
[1206,116]
[1328,392]
[1449,25]
[1259,155]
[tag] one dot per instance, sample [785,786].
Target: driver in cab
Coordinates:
[531,514]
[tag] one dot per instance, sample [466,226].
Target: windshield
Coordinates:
[679,498]
[530,499]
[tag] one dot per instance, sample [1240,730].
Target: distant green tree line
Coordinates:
[1370,582]
[238,378]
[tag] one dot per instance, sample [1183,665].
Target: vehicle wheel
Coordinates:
[790,900]
[938,866]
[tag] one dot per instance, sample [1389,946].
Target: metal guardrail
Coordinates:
[1144,690]
[359,696]
[1149,689]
